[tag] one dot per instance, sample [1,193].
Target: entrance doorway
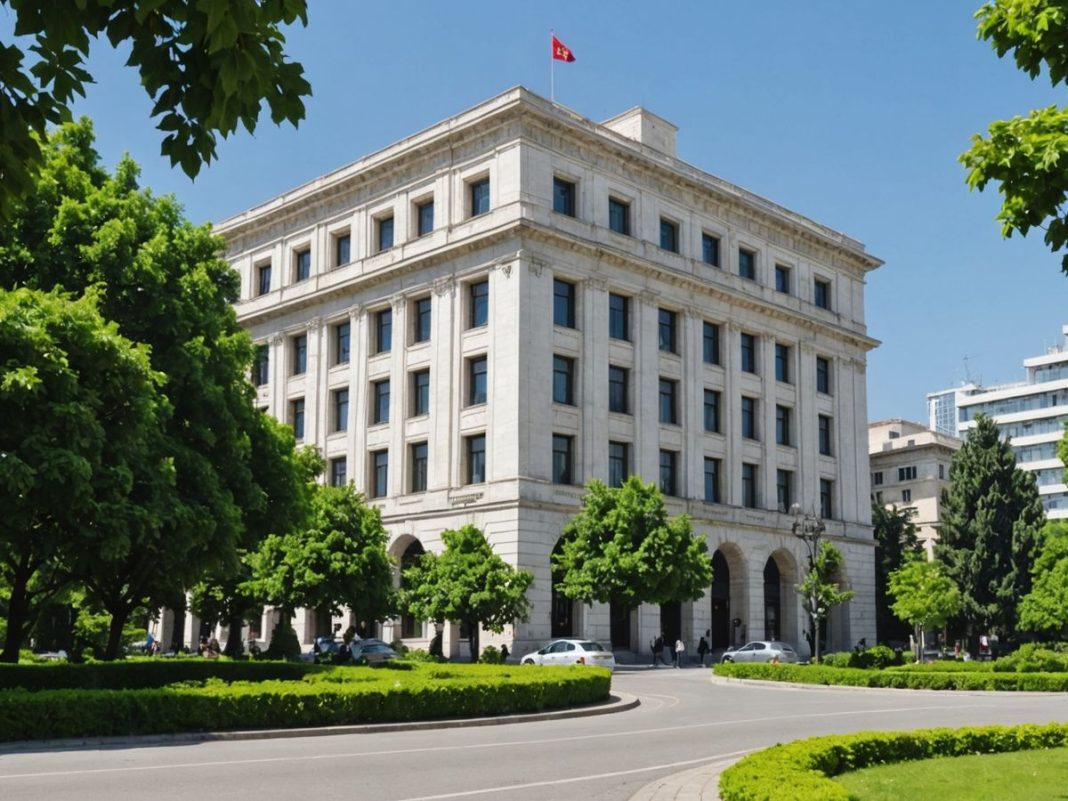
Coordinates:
[772,600]
[562,608]
[671,622]
[720,594]
[410,627]
[620,625]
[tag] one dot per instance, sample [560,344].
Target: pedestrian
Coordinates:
[658,649]
[680,652]
[702,649]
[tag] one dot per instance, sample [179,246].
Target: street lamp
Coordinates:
[809,529]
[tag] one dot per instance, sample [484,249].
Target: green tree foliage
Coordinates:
[895,543]
[623,548]
[819,590]
[207,66]
[82,415]
[467,584]
[1045,608]
[1024,155]
[990,514]
[924,597]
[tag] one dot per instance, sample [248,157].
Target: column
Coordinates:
[645,387]
[592,376]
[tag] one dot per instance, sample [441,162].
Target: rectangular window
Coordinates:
[782,363]
[563,303]
[479,300]
[821,293]
[419,452]
[302,264]
[618,463]
[749,486]
[784,488]
[263,276]
[826,499]
[296,417]
[825,435]
[480,196]
[563,380]
[476,459]
[749,353]
[562,459]
[669,412]
[342,249]
[383,331]
[341,409]
[619,317]
[669,472]
[420,393]
[941,471]
[261,370]
[342,343]
[877,478]
[906,496]
[564,197]
[749,417]
[380,474]
[619,216]
[712,411]
[424,216]
[339,472]
[385,233]
[421,322]
[782,279]
[823,375]
[710,249]
[783,435]
[669,235]
[747,264]
[711,343]
[300,354]
[668,331]
[618,389]
[476,381]
[906,473]
[380,396]
[712,468]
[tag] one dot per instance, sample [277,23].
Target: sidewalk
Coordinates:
[697,784]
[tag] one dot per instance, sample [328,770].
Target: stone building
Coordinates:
[474,321]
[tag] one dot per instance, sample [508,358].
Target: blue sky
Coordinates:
[852,113]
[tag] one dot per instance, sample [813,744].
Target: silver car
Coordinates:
[572,652]
[761,651]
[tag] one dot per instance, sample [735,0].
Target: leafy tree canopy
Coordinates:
[819,589]
[208,67]
[895,543]
[1045,608]
[924,596]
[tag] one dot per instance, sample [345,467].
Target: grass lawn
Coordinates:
[1020,775]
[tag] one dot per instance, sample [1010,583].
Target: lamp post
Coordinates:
[809,529]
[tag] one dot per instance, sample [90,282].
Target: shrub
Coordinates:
[145,673]
[1034,658]
[421,655]
[492,656]
[284,643]
[877,657]
[898,677]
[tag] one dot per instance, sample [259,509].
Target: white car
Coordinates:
[762,651]
[572,652]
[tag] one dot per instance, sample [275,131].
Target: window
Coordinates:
[906,496]
[749,353]
[564,197]
[668,328]
[385,232]
[618,463]
[263,277]
[476,459]
[877,478]
[563,303]
[712,469]
[669,235]
[619,216]
[826,498]
[941,471]
[420,393]
[300,354]
[618,384]
[380,474]
[342,343]
[383,331]
[906,473]
[476,381]
[302,264]
[712,411]
[747,264]
[669,401]
[784,489]
[419,453]
[749,486]
[710,249]
[339,472]
[296,417]
[341,409]
[342,249]
[823,375]
[424,217]
[669,472]
[619,317]
[783,435]
[479,299]
[711,343]
[782,279]
[749,417]
[563,380]
[421,330]
[782,363]
[380,394]
[821,293]
[825,435]
[261,370]
[479,196]
[562,459]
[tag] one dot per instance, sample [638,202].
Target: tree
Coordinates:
[819,590]
[1025,155]
[207,66]
[895,543]
[623,548]
[924,597]
[81,410]
[1045,608]
[467,583]
[990,514]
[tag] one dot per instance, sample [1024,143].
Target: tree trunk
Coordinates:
[235,624]
[118,623]
[17,613]
[472,640]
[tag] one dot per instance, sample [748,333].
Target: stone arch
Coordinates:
[406,550]
[780,597]
[727,596]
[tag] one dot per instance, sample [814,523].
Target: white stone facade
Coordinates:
[550,275]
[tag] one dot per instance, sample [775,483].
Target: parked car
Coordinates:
[372,651]
[761,651]
[572,652]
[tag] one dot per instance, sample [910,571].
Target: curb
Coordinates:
[697,784]
[617,702]
[798,685]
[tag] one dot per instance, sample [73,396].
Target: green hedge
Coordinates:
[897,678]
[1034,658]
[331,696]
[801,771]
[135,675]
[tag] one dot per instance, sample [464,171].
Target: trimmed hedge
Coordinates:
[331,696]
[897,677]
[1034,658]
[802,770]
[134,675]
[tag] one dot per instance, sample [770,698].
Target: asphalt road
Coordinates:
[684,720]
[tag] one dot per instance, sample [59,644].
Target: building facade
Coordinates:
[474,321]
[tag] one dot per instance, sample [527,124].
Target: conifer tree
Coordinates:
[895,543]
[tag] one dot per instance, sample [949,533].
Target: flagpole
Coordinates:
[552,68]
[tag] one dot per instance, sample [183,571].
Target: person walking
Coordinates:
[658,649]
[702,649]
[680,652]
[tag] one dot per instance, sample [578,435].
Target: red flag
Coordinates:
[561,52]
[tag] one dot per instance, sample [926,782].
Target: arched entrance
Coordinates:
[620,625]
[720,595]
[671,622]
[411,628]
[562,608]
[772,600]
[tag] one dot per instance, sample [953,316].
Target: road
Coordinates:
[684,720]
